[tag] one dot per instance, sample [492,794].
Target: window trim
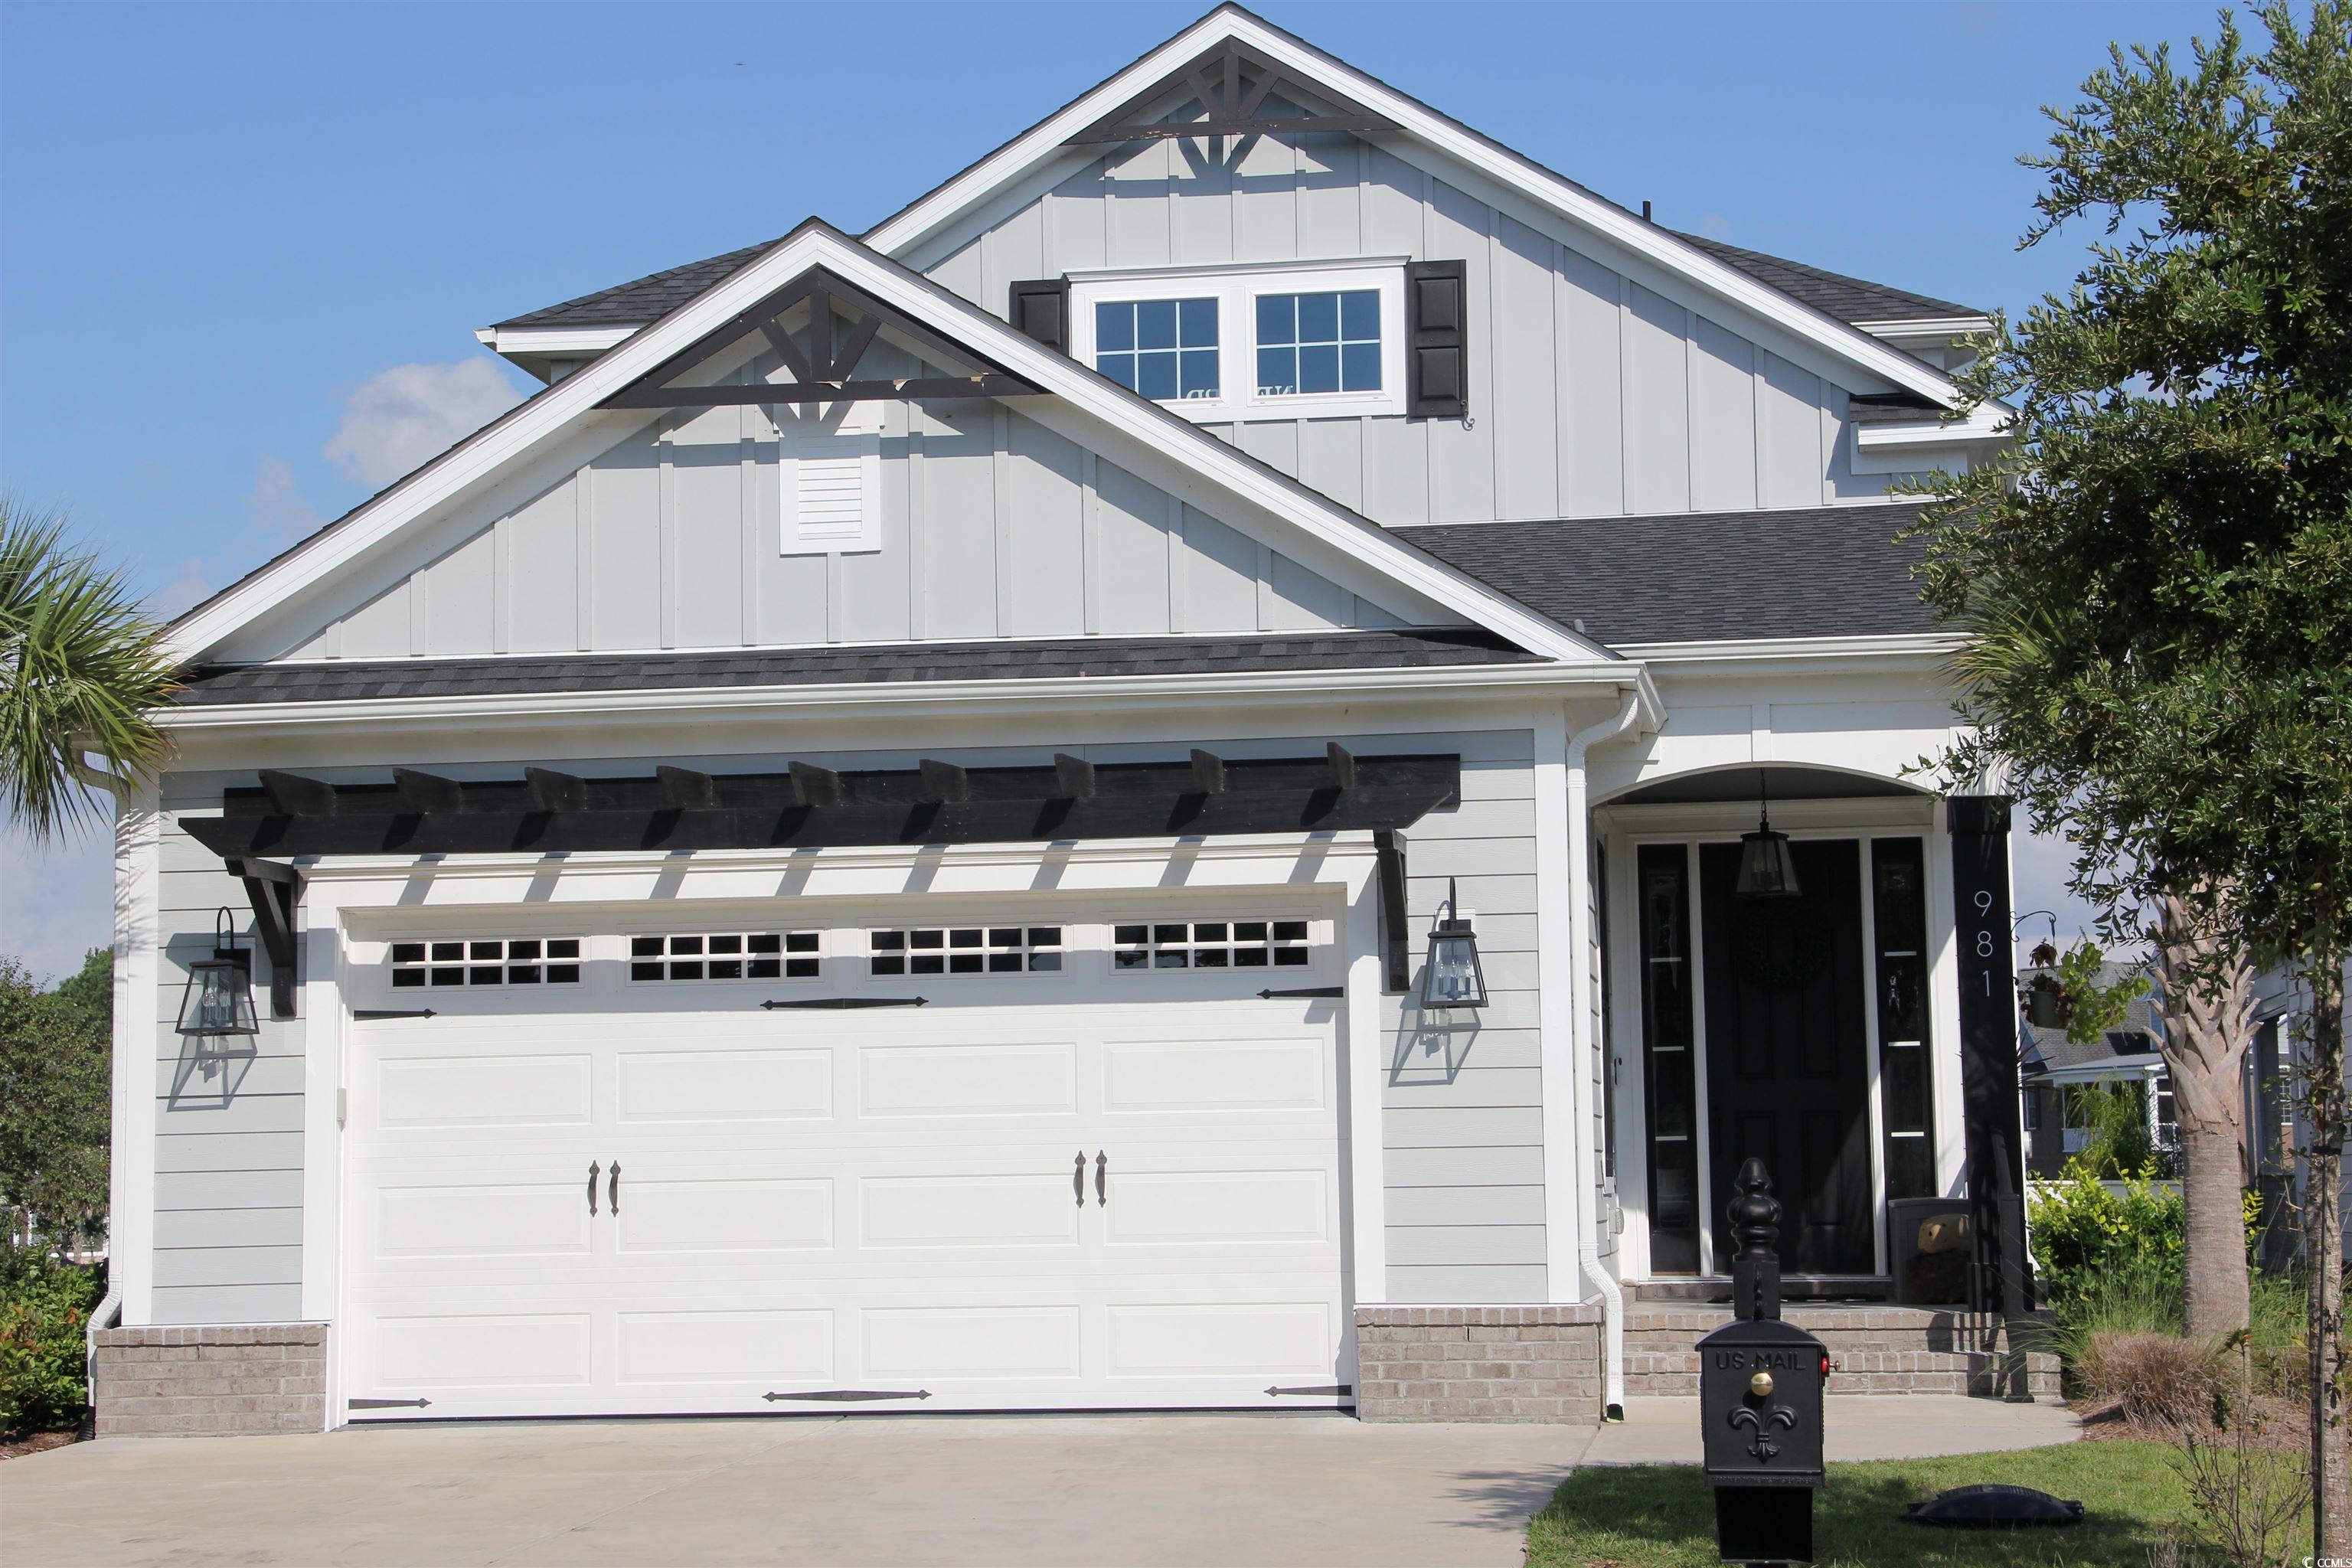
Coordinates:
[1236,289]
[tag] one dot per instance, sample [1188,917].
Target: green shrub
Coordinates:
[44,1306]
[2085,1237]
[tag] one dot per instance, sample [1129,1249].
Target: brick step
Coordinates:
[1873,1350]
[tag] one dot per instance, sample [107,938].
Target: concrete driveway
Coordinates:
[1231,1492]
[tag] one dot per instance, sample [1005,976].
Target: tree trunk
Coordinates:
[2207,1011]
[2322,1223]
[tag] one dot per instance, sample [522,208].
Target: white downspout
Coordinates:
[1580,859]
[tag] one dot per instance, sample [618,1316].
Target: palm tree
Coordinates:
[82,669]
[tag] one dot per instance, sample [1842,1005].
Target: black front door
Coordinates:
[1787,1080]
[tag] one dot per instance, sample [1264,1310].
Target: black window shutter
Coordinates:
[1040,309]
[1436,312]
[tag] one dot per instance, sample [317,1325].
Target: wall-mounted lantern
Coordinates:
[218,1000]
[1767,870]
[1452,977]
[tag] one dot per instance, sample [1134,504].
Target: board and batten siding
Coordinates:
[1462,1103]
[1590,395]
[992,526]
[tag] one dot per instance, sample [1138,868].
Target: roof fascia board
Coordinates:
[1314,689]
[555,341]
[1509,171]
[545,418]
[1983,425]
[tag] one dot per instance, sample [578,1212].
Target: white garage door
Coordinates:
[1095,1169]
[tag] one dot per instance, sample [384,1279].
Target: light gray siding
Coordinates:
[1590,395]
[1463,1104]
[992,526]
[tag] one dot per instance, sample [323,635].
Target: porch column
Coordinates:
[1993,1122]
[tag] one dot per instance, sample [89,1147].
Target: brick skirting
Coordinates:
[210,1383]
[1478,1363]
[1873,1350]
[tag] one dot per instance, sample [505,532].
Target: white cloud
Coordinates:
[57,902]
[396,420]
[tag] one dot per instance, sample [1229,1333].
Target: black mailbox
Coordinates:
[1760,1387]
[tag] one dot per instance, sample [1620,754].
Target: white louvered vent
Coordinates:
[832,492]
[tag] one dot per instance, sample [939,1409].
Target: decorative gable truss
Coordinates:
[576,522]
[1235,85]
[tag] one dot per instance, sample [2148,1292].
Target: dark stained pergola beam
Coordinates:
[944,783]
[551,791]
[814,785]
[292,793]
[687,789]
[1074,776]
[990,384]
[426,791]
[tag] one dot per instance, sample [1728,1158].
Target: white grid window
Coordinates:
[966,949]
[724,955]
[1210,944]
[485,961]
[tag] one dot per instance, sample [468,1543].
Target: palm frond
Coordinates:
[82,670]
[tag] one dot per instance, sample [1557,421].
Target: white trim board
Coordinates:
[1250,492]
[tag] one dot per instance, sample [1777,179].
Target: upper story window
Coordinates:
[1249,343]
[1164,349]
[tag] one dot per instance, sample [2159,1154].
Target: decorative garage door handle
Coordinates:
[1102,1166]
[613,1191]
[594,1170]
[1079,1179]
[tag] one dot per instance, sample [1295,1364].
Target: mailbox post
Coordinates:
[1761,1398]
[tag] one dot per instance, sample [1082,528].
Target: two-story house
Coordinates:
[882,841]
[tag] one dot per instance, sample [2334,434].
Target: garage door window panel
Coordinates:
[452,963]
[1141,946]
[693,957]
[910,953]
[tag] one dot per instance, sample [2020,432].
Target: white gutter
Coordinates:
[1580,916]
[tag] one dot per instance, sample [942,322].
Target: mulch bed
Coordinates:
[16,1445]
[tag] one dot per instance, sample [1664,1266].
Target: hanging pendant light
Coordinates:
[1767,870]
[219,999]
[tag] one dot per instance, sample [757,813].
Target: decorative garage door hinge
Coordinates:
[1328,1388]
[850,1396]
[1269,995]
[371,1015]
[844,1004]
[388,1403]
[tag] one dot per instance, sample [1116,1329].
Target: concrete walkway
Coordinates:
[1855,1427]
[1154,1491]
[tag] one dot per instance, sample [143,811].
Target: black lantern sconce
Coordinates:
[1452,976]
[218,1000]
[1767,870]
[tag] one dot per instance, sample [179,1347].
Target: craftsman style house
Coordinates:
[1095,797]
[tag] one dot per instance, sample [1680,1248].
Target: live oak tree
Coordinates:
[2159,576]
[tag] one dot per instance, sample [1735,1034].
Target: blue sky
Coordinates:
[243,248]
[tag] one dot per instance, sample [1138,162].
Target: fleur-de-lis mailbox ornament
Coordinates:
[1760,1403]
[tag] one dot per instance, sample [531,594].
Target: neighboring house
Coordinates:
[2053,1070]
[876,843]
[2277,1120]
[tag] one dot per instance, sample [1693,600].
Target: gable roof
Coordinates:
[1800,571]
[477,460]
[642,299]
[1850,300]
[1747,287]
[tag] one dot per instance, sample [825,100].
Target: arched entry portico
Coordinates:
[1819,1032]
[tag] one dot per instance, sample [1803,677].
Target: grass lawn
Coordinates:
[1661,1516]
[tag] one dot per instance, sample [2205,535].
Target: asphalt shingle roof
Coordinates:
[347,681]
[1834,294]
[642,299]
[2055,1050]
[1833,571]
